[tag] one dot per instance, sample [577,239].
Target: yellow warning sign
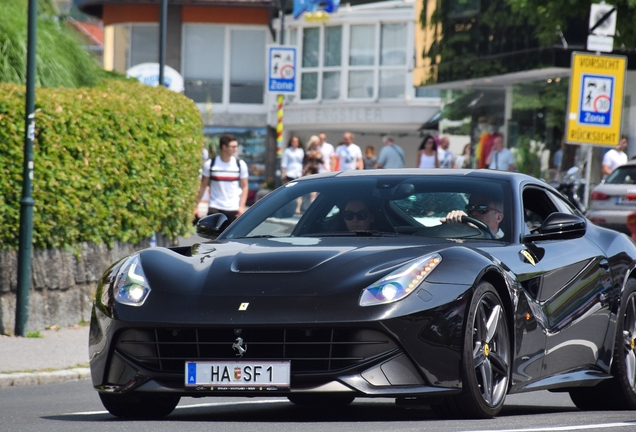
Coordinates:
[595,102]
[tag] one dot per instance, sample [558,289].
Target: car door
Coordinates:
[572,289]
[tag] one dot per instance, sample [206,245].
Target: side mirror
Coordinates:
[211,226]
[559,226]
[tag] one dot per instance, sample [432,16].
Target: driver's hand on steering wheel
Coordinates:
[454,216]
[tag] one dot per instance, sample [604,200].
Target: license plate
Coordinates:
[621,200]
[237,374]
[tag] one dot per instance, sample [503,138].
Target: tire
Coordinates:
[139,406]
[320,400]
[618,393]
[486,359]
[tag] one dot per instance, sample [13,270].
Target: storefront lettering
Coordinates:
[334,115]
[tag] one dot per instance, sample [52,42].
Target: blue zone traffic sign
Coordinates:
[281,69]
[596,100]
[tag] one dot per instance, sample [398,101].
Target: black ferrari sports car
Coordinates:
[449,288]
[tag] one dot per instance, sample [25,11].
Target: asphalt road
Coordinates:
[75,406]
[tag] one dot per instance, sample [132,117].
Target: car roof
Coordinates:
[514,178]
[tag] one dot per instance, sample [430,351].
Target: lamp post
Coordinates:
[26,202]
[163,18]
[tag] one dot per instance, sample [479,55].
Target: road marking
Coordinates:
[563,428]
[212,404]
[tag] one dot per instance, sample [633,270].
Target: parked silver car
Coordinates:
[613,200]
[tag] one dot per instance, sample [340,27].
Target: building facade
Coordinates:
[355,70]
[356,74]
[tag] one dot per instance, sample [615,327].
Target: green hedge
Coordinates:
[119,161]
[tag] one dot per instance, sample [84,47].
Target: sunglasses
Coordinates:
[360,215]
[481,208]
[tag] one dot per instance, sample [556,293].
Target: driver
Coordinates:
[357,216]
[482,207]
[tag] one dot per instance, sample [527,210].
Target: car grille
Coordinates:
[310,350]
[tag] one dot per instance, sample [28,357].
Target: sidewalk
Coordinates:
[59,355]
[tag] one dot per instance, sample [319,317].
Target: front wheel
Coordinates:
[485,359]
[139,406]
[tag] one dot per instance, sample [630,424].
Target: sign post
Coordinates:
[602,27]
[595,101]
[281,79]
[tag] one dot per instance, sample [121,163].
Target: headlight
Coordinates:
[131,287]
[400,283]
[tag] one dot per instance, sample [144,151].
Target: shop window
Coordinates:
[311,47]
[333,46]
[247,67]
[362,46]
[393,45]
[331,85]
[309,85]
[363,61]
[392,83]
[208,48]
[144,44]
[204,62]
[361,84]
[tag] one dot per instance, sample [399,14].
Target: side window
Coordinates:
[563,206]
[537,206]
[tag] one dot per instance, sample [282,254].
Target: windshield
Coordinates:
[625,174]
[376,206]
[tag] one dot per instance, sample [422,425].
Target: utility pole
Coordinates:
[163,18]
[26,203]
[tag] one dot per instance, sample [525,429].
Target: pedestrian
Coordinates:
[327,151]
[500,158]
[227,177]
[444,155]
[427,154]
[291,164]
[464,160]
[348,155]
[369,159]
[313,161]
[615,157]
[391,156]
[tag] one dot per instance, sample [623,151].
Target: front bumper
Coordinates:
[414,355]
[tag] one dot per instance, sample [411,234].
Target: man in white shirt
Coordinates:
[227,177]
[444,155]
[327,152]
[500,157]
[348,155]
[615,157]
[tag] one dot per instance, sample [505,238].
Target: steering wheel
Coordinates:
[479,224]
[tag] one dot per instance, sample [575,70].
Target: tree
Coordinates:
[550,16]
[61,60]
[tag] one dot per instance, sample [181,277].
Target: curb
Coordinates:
[35,378]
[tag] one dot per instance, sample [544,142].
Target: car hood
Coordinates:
[280,267]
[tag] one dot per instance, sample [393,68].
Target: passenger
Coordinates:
[486,209]
[357,216]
